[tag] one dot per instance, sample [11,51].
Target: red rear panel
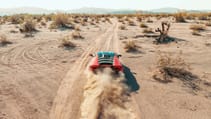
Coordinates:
[117,64]
[94,63]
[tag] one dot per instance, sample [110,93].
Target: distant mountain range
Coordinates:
[174,10]
[86,10]
[31,10]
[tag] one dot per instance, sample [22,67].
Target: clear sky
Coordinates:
[114,4]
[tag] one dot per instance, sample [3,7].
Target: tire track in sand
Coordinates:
[70,93]
[105,94]
[66,104]
[19,60]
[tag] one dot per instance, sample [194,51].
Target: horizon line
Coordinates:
[97,8]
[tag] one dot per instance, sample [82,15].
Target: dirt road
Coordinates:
[70,94]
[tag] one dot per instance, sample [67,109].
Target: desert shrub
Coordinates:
[38,18]
[198,27]
[180,17]
[203,17]
[48,17]
[92,23]
[52,26]
[149,21]
[208,44]
[131,23]
[143,25]
[103,20]
[4,41]
[196,33]
[190,17]
[83,23]
[28,28]
[127,19]
[108,20]
[13,31]
[77,21]
[169,67]
[97,22]
[77,28]
[139,19]
[43,23]
[60,21]
[166,60]
[122,27]
[121,20]
[2,21]
[66,43]
[148,30]
[85,19]
[76,35]
[208,23]
[130,46]
[16,19]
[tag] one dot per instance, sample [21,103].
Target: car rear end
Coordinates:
[106,59]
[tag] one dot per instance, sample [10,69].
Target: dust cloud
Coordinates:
[106,96]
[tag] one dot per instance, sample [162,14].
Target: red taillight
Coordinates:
[117,65]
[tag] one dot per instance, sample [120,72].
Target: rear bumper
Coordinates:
[116,68]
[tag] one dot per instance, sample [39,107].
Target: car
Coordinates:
[105,59]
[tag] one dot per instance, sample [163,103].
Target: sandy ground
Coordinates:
[39,80]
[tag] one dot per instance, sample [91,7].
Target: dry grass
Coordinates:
[189,17]
[127,19]
[108,20]
[28,27]
[13,31]
[43,23]
[122,27]
[208,23]
[16,19]
[166,60]
[103,20]
[92,23]
[180,17]
[121,20]
[76,35]
[130,46]
[83,23]
[196,33]
[148,30]
[143,25]
[169,67]
[203,17]
[66,43]
[208,44]
[4,41]
[60,20]
[139,19]
[2,21]
[77,21]
[97,21]
[149,21]
[198,27]
[131,23]
[77,28]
